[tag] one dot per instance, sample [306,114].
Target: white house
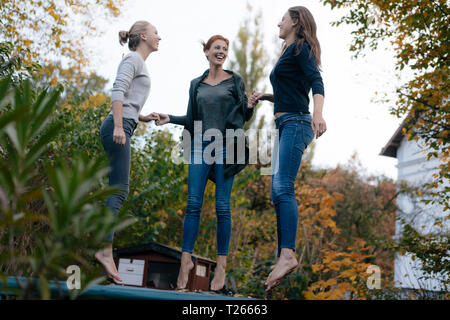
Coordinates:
[415,169]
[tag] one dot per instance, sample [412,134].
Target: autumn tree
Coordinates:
[249,56]
[53,30]
[418,34]
[79,86]
[342,274]
[365,211]
[11,64]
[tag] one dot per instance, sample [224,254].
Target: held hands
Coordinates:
[318,125]
[119,135]
[150,117]
[162,119]
[254,99]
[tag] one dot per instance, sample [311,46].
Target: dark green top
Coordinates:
[215,103]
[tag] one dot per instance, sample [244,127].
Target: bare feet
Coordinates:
[105,258]
[285,265]
[185,268]
[219,274]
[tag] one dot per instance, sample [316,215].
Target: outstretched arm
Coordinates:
[258,96]
[181,120]
[150,117]
[163,118]
[168,118]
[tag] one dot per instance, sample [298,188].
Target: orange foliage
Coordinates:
[344,273]
[42,31]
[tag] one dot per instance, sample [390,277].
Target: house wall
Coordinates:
[414,168]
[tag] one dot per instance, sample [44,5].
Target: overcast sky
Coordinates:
[355,122]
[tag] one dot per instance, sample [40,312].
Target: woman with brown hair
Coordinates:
[130,91]
[292,78]
[217,99]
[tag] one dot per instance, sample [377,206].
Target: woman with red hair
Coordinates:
[217,98]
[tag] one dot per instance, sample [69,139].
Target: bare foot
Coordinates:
[285,265]
[185,268]
[105,258]
[219,274]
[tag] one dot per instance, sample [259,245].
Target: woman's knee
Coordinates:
[282,191]
[223,213]
[223,206]
[194,205]
[122,192]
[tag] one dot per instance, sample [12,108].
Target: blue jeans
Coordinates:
[119,160]
[295,134]
[197,179]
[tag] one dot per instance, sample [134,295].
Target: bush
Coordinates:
[72,221]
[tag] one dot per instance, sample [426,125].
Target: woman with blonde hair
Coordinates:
[295,74]
[130,91]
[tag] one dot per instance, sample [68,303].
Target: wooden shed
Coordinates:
[154,265]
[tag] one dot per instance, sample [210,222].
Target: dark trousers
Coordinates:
[119,160]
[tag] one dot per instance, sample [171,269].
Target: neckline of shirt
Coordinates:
[217,83]
[136,53]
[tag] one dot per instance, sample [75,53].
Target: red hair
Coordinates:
[211,40]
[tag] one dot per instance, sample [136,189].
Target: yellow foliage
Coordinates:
[94,100]
[346,273]
[45,28]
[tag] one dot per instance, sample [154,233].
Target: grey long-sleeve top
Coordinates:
[234,120]
[132,85]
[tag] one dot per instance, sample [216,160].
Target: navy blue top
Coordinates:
[293,77]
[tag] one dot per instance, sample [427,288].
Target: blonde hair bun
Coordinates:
[123,37]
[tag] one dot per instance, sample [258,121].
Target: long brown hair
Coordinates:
[306,31]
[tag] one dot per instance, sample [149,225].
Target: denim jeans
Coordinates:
[197,178]
[295,134]
[119,160]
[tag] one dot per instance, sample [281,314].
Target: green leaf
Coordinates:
[4,87]
[42,144]
[45,292]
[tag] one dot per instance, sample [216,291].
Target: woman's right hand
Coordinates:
[163,119]
[119,136]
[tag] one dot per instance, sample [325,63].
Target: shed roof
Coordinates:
[156,247]
[390,149]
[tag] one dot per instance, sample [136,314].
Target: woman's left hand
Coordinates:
[150,117]
[254,99]
[319,125]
